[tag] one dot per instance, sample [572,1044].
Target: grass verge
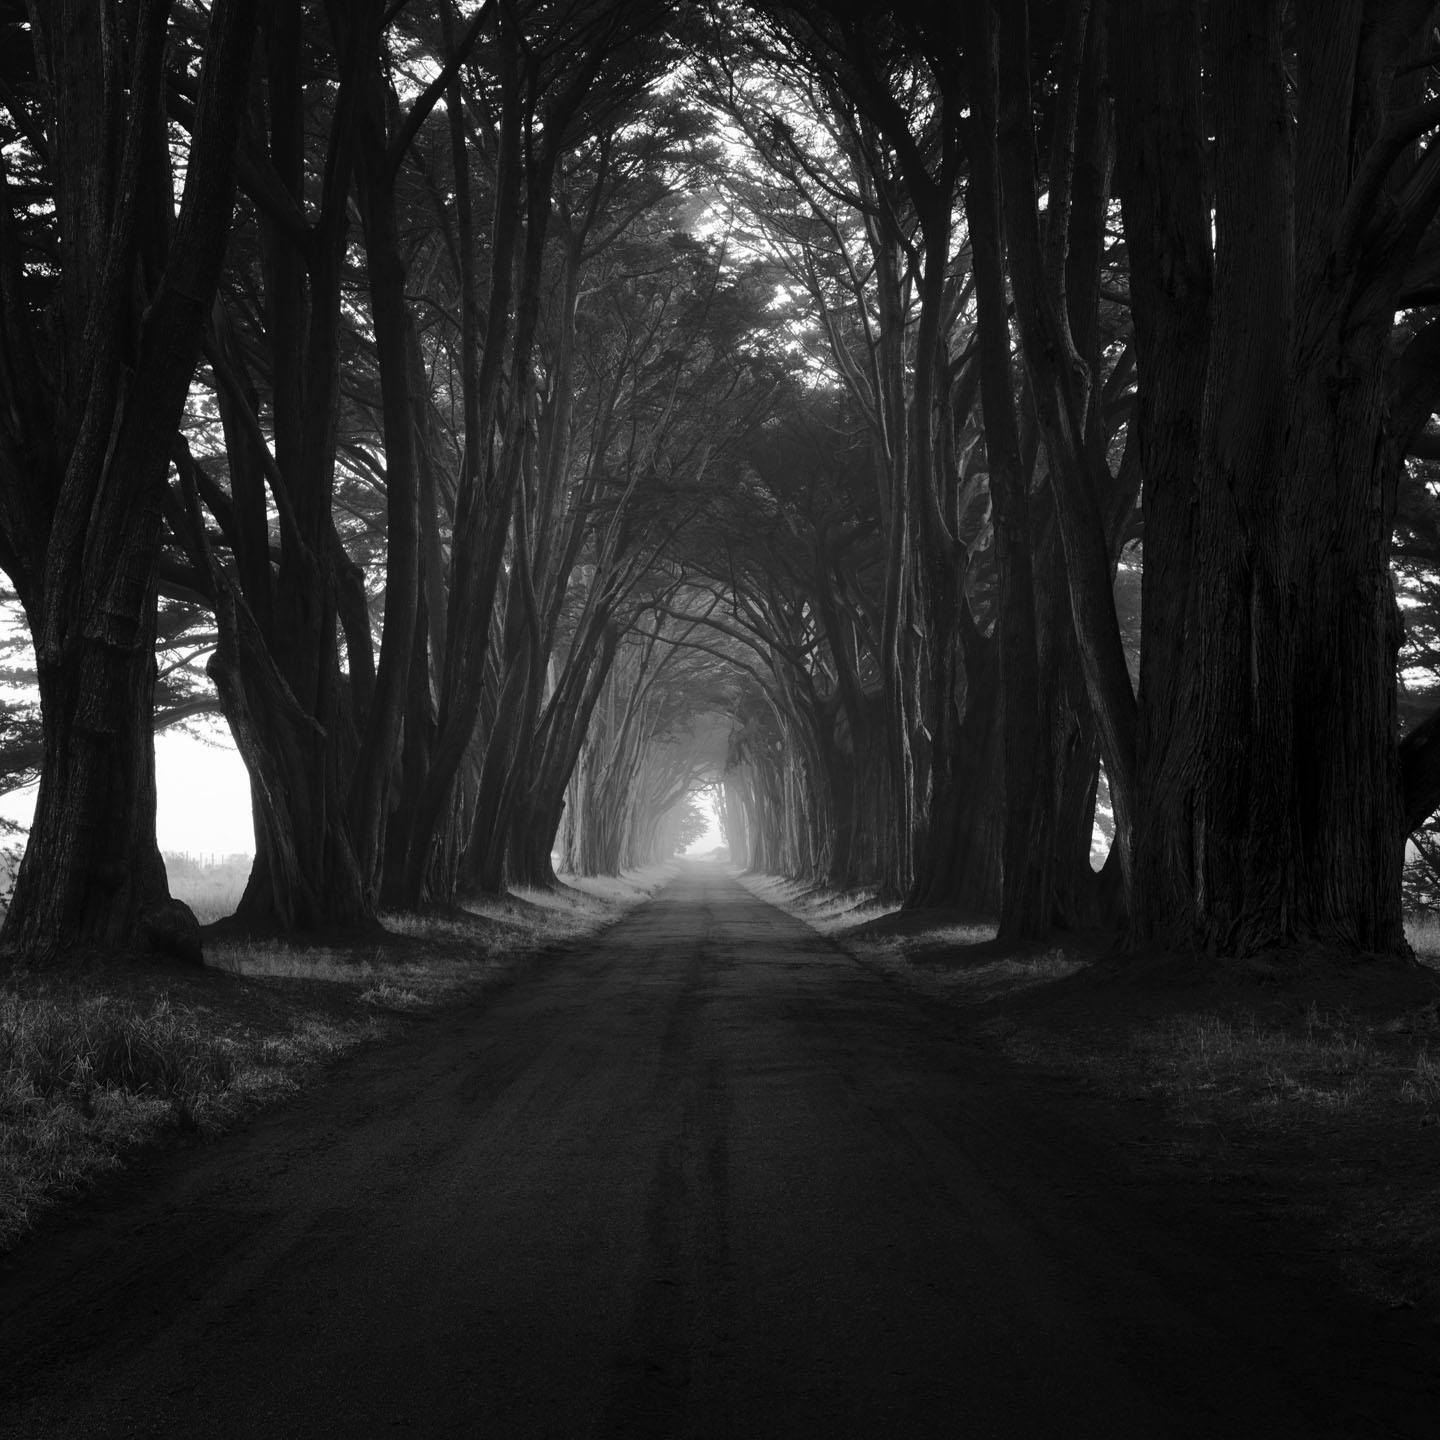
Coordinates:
[97,1064]
[947,957]
[1312,1085]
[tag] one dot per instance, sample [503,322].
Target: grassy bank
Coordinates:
[1311,1087]
[97,1064]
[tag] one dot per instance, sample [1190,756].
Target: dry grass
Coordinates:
[212,891]
[828,911]
[89,1071]
[457,952]
[581,906]
[1423,1085]
[981,980]
[98,1042]
[1423,933]
[370,973]
[110,1060]
[937,956]
[1325,1063]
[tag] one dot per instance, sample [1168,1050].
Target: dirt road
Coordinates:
[704,1177]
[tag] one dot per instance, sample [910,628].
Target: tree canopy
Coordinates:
[902,422]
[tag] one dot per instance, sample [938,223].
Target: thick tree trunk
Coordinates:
[528,861]
[1061,383]
[1334,706]
[539,802]
[277,668]
[933,877]
[305,876]
[1163,183]
[840,869]
[1237,629]
[963,843]
[378,759]
[1290,761]
[81,533]
[483,867]
[1026,844]
[898,852]
[92,879]
[1324,841]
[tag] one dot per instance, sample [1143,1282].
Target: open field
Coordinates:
[212,886]
[95,1064]
[1310,1091]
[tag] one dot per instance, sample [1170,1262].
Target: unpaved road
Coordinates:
[704,1177]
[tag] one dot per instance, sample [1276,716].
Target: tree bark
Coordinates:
[83,535]
[1027,842]
[1163,185]
[379,742]
[278,667]
[1237,628]
[1060,382]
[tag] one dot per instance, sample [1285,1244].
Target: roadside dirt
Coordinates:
[1309,1083]
[705,1176]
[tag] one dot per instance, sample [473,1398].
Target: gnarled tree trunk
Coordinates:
[80,520]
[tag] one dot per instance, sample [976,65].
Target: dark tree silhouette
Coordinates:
[107,284]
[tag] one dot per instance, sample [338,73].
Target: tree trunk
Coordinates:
[305,875]
[1163,187]
[277,668]
[81,535]
[379,742]
[533,829]
[92,879]
[1236,628]
[1338,693]
[1026,843]
[1060,382]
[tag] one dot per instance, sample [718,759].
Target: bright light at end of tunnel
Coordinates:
[713,837]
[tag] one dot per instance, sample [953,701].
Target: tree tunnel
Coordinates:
[531,412]
[586,412]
